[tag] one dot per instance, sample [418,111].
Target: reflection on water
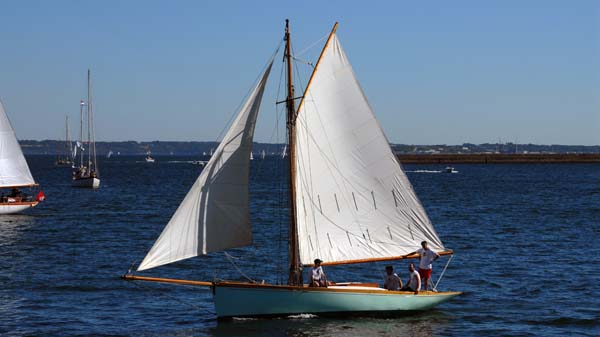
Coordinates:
[414,324]
[12,226]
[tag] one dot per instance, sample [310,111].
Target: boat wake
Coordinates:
[423,171]
[302,316]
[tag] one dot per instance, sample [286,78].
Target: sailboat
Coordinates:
[86,174]
[109,154]
[263,154]
[14,171]
[67,158]
[350,202]
[251,156]
[284,152]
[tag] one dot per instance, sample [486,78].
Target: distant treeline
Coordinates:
[57,147]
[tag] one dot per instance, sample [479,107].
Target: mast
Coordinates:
[295,275]
[93,132]
[89,130]
[81,132]
[68,154]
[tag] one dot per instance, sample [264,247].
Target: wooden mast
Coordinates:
[295,275]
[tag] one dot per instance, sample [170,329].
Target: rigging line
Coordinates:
[239,106]
[313,44]
[230,258]
[443,271]
[139,285]
[303,61]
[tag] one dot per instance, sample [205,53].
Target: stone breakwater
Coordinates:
[499,158]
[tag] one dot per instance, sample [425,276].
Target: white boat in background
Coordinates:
[450,169]
[199,162]
[110,153]
[14,171]
[251,156]
[284,152]
[86,173]
[149,158]
[351,202]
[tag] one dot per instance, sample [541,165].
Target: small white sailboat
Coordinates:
[86,173]
[263,154]
[350,202]
[251,156]
[284,152]
[110,153]
[14,171]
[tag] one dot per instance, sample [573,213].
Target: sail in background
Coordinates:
[353,201]
[14,170]
[215,213]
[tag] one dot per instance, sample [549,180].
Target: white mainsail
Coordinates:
[215,213]
[14,170]
[353,201]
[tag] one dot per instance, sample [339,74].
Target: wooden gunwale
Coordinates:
[230,284]
[20,203]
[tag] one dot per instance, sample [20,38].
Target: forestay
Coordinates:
[353,201]
[215,213]
[13,167]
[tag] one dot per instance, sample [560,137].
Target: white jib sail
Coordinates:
[215,213]
[13,167]
[353,201]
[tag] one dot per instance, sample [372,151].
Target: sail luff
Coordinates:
[214,215]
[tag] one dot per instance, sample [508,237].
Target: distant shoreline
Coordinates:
[467,152]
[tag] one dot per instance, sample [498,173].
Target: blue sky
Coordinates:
[436,72]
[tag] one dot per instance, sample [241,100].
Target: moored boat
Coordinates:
[85,172]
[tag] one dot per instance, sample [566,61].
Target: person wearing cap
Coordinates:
[391,280]
[317,275]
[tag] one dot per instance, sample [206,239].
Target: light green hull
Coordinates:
[251,301]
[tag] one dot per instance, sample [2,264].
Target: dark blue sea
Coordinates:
[526,237]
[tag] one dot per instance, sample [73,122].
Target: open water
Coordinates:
[526,237]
